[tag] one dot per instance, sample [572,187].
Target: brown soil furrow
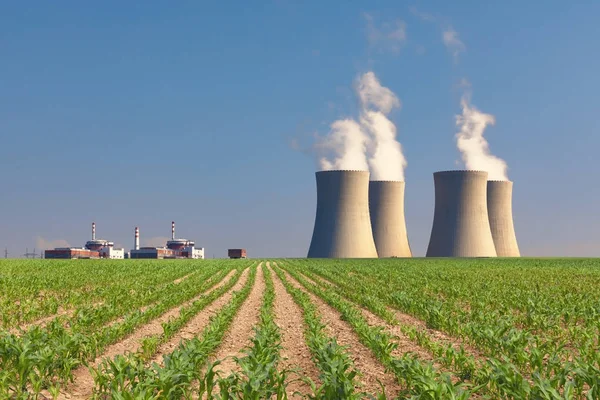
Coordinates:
[42,322]
[240,333]
[83,384]
[372,371]
[196,324]
[183,278]
[405,345]
[406,319]
[295,352]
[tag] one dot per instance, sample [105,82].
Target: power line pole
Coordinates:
[28,254]
[5,252]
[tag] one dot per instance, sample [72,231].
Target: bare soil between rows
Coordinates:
[240,332]
[295,352]
[83,382]
[407,319]
[372,372]
[200,320]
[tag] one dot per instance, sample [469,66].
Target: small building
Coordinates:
[236,253]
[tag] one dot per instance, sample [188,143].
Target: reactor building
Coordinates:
[461,227]
[386,208]
[499,205]
[342,224]
[175,248]
[95,248]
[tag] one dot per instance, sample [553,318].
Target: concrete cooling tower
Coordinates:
[386,207]
[499,203]
[460,222]
[342,224]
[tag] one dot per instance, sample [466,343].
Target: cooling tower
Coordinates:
[386,207]
[342,224]
[499,203]
[460,222]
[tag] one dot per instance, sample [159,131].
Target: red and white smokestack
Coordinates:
[172,230]
[136,244]
[93,231]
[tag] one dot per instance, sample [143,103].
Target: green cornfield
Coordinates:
[300,328]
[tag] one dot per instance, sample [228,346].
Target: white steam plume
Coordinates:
[344,147]
[473,146]
[369,144]
[386,160]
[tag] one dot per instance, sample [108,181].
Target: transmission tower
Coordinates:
[28,254]
[5,252]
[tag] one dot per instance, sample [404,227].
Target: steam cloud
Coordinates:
[386,160]
[370,143]
[473,146]
[348,143]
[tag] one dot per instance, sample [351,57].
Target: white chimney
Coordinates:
[173,230]
[136,244]
[93,231]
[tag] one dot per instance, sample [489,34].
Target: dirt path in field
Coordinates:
[372,371]
[295,352]
[83,384]
[200,321]
[406,319]
[240,332]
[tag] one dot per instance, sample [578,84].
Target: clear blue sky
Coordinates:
[142,112]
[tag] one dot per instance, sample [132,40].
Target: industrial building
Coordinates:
[386,208]
[499,204]
[461,226]
[175,248]
[342,223]
[95,248]
[71,252]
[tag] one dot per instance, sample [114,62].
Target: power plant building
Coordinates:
[461,227]
[70,253]
[175,248]
[386,208]
[499,203]
[342,223]
[95,248]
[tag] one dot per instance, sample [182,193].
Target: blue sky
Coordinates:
[138,113]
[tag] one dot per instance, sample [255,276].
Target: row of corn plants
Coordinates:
[338,376]
[420,379]
[150,344]
[520,363]
[259,375]
[34,289]
[128,376]
[485,374]
[44,358]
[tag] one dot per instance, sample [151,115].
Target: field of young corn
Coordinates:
[319,329]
